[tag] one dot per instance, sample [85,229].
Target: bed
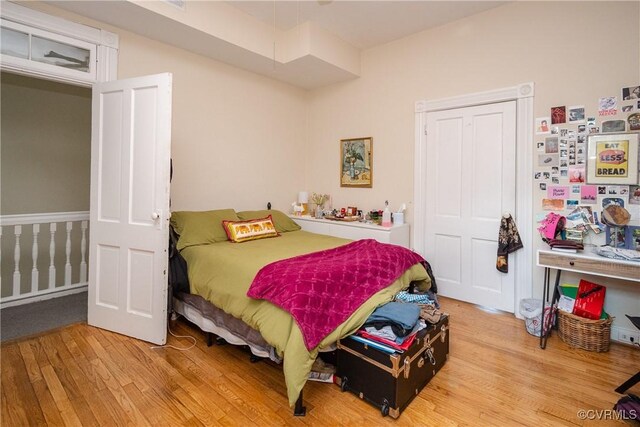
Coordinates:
[220,274]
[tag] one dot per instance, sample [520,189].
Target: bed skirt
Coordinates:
[211,319]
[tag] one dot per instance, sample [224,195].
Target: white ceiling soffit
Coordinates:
[312,44]
[364,24]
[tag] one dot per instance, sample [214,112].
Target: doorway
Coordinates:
[45,182]
[470,183]
[520,262]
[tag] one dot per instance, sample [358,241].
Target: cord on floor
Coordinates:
[176,336]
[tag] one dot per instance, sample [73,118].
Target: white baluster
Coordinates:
[67,266]
[52,254]
[34,254]
[83,251]
[16,257]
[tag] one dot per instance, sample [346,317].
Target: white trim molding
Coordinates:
[102,44]
[523,94]
[43,218]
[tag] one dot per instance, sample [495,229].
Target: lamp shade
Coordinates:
[303,197]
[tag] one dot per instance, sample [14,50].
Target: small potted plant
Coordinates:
[319,200]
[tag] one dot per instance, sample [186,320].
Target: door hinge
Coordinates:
[425,130]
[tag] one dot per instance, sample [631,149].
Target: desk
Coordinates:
[582,262]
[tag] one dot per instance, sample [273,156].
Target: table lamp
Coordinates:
[303,199]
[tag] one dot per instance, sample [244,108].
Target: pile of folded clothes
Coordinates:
[394,325]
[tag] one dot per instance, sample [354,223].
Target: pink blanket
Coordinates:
[322,289]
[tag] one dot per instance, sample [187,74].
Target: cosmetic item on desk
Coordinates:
[398,217]
[386,215]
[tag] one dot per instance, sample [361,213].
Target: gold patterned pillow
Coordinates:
[243,231]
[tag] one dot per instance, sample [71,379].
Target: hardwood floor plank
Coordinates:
[114,367]
[17,385]
[118,393]
[60,397]
[29,359]
[496,375]
[11,414]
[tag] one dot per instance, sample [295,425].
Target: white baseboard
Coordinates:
[76,289]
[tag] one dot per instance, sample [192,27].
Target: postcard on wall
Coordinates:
[576,114]
[542,125]
[632,92]
[557,192]
[575,189]
[543,186]
[634,195]
[548,160]
[571,204]
[558,115]
[610,126]
[612,159]
[576,174]
[613,189]
[551,145]
[552,204]
[627,108]
[540,146]
[607,106]
[588,193]
[634,121]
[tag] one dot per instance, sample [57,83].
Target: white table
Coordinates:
[397,234]
[582,262]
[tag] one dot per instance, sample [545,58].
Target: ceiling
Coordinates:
[314,43]
[363,24]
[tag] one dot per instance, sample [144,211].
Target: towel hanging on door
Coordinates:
[508,241]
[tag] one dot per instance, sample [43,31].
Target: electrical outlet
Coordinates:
[626,336]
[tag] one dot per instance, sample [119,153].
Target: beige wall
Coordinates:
[238,138]
[560,46]
[45,146]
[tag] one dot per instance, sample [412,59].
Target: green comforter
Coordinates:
[222,273]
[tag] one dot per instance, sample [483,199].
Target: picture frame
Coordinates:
[356,162]
[612,159]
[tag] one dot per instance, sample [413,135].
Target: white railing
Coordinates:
[74,224]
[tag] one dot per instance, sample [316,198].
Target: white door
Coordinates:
[130,157]
[471,182]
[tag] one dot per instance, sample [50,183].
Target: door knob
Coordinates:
[155,215]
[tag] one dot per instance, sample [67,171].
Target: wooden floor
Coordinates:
[496,375]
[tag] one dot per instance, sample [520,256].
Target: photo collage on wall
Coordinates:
[561,140]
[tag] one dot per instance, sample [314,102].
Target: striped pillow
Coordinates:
[243,231]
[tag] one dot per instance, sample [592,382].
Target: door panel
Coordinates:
[131,135]
[448,164]
[446,248]
[470,184]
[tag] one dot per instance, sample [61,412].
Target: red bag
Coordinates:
[590,300]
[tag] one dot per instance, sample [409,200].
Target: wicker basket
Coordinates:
[587,334]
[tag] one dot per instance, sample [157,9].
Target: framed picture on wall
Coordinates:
[356,162]
[613,159]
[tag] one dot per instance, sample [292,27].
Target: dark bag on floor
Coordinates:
[629,407]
